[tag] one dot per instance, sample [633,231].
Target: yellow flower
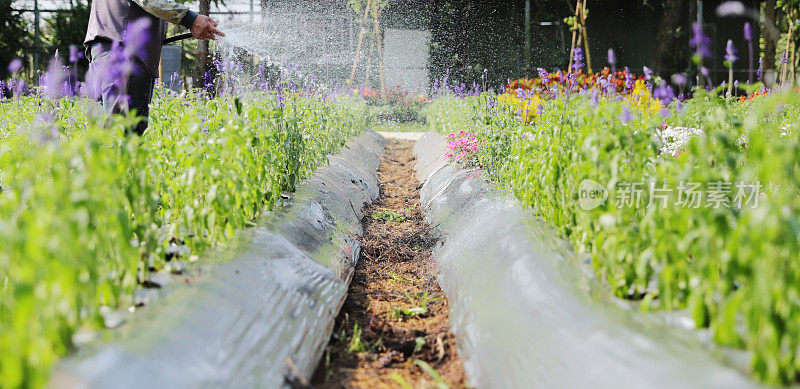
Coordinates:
[641,100]
[526,108]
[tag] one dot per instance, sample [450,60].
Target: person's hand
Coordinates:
[205,28]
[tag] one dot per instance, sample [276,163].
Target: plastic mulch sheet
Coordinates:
[528,313]
[261,319]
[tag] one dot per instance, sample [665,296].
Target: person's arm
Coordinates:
[201,26]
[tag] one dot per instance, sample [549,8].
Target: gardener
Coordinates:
[110,20]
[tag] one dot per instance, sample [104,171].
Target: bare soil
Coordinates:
[393,330]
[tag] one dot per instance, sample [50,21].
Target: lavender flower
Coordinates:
[748,35]
[700,41]
[648,74]
[629,80]
[136,37]
[542,72]
[612,58]
[748,31]
[53,80]
[679,79]
[760,68]
[577,56]
[625,116]
[15,65]
[74,54]
[730,8]
[664,93]
[730,53]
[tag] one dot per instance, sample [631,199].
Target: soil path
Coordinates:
[393,330]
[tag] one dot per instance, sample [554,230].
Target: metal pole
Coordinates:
[36,37]
[700,79]
[202,56]
[252,10]
[527,66]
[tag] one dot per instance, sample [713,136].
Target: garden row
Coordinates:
[680,204]
[86,212]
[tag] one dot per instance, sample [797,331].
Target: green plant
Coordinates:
[440,384]
[420,308]
[391,216]
[733,268]
[356,345]
[86,212]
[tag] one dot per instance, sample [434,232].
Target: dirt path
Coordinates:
[393,330]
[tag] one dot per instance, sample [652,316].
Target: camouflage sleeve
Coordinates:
[168,10]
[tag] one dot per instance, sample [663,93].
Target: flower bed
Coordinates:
[84,208]
[597,170]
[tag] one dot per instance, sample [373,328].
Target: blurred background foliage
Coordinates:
[468,36]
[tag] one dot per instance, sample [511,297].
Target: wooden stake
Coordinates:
[360,41]
[792,63]
[369,62]
[585,38]
[784,67]
[574,33]
[379,39]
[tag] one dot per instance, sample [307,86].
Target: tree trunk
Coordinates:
[665,61]
[768,72]
[202,55]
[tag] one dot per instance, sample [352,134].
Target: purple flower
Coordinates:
[760,67]
[704,71]
[612,58]
[577,56]
[21,88]
[730,8]
[648,74]
[730,53]
[783,58]
[679,79]
[664,93]
[15,65]
[53,80]
[74,54]
[748,31]
[700,42]
[542,73]
[629,80]
[136,37]
[625,116]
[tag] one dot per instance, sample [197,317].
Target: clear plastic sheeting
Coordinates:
[261,319]
[527,313]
